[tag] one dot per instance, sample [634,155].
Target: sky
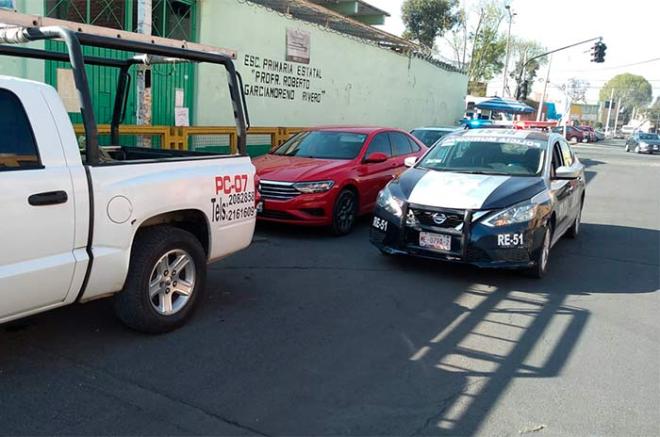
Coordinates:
[630,29]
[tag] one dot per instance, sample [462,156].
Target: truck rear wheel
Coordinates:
[166,279]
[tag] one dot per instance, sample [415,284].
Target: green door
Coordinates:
[175,19]
[171,19]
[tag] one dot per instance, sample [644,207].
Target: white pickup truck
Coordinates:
[139,224]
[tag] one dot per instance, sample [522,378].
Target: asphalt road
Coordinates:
[306,334]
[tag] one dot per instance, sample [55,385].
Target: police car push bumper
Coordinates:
[453,226]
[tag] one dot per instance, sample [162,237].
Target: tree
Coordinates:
[633,90]
[521,51]
[476,42]
[425,20]
[577,89]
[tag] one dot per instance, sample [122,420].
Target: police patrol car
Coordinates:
[492,198]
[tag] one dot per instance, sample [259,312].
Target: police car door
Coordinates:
[562,191]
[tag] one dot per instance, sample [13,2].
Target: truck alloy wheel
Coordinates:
[166,279]
[172,282]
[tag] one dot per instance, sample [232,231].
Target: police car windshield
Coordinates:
[323,145]
[430,136]
[507,156]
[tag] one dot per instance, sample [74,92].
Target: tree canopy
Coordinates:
[521,51]
[633,90]
[425,20]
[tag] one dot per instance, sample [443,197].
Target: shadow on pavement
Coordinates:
[305,336]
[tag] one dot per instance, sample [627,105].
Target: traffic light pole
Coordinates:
[523,71]
[609,114]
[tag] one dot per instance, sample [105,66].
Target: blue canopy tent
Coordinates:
[508,106]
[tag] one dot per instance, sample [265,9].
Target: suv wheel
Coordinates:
[344,213]
[166,279]
[574,139]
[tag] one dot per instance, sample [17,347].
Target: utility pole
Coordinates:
[144,101]
[618,109]
[545,89]
[508,48]
[609,114]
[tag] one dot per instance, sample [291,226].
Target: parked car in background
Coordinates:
[600,135]
[592,133]
[642,142]
[628,130]
[430,135]
[573,134]
[329,176]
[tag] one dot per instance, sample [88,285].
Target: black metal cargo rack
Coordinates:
[148,53]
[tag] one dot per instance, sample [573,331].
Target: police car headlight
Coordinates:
[314,187]
[521,213]
[390,203]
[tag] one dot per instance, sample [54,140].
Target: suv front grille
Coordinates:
[277,190]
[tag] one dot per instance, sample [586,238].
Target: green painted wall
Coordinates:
[359,84]
[25,68]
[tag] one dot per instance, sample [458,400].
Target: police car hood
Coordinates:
[466,191]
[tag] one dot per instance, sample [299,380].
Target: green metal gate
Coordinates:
[170,18]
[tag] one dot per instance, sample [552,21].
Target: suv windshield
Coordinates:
[648,136]
[497,156]
[429,136]
[322,144]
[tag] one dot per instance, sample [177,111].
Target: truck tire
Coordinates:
[156,297]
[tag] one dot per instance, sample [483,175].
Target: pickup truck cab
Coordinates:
[139,224]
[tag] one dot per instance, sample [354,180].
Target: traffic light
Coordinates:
[598,52]
[523,89]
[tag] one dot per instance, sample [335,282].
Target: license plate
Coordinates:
[435,241]
[260,207]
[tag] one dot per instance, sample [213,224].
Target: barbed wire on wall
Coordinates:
[301,10]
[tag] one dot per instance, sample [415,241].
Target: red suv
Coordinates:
[328,176]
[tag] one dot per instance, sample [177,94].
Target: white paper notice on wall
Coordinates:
[181,116]
[178,97]
[66,88]
[298,45]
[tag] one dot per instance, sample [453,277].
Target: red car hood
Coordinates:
[293,169]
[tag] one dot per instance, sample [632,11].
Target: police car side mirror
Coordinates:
[376,157]
[564,172]
[410,161]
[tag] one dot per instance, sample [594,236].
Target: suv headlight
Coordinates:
[390,203]
[520,213]
[314,187]
[643,145]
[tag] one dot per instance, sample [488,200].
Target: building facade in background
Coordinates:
[302,64]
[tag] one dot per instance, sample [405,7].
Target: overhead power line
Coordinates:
[648,61]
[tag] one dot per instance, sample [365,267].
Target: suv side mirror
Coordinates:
[410,161]
[564,172]
[376,157]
